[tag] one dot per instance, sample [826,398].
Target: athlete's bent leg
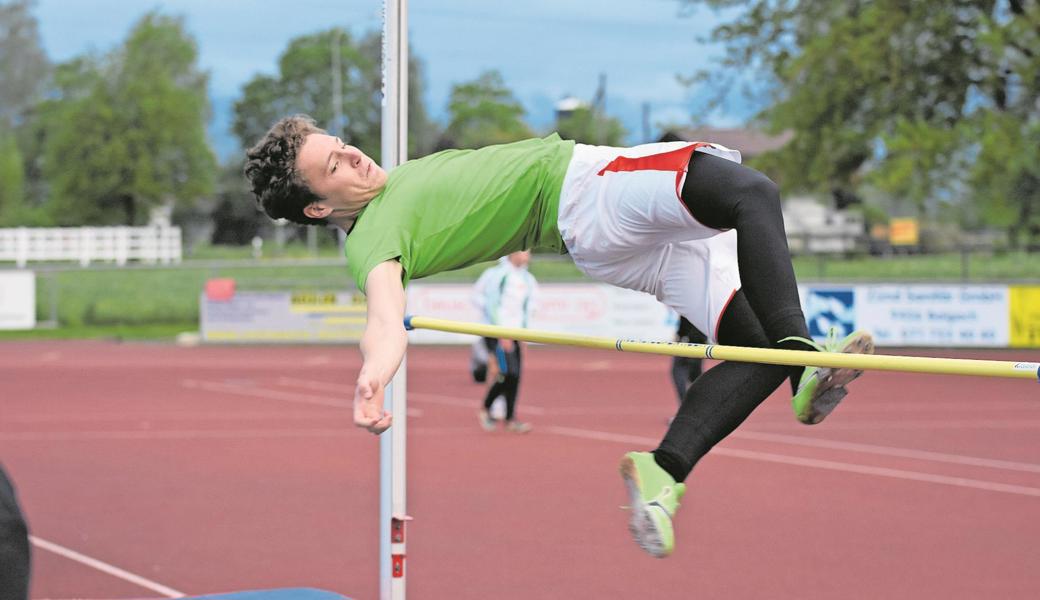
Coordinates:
[722,397]
[725,195]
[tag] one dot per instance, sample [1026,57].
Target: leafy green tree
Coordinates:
[932,100]
[126,132]
[304,84]
[587,126]
[23,63]
[24,73]
[482,112]
[12,189]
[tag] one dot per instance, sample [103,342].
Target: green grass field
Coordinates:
[157,302]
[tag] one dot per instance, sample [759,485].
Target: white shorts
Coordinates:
[624,222]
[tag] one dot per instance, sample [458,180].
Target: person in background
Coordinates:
[478,358]
[478,361]
[507,298]
[14,544]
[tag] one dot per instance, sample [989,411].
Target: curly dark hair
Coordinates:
[271,169]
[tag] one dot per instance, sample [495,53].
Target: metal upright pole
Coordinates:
[337,112]
[392,447]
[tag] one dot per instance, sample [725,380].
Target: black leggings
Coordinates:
[507,383]
[725,195]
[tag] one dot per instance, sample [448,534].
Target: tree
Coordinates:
[236,217]
[12,189]
[304,84]
[23,63]
[924,99]
[482,112]
[587,126]
[24,72]
[126,132]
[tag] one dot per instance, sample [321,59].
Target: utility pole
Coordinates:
[599,107]
[646,122]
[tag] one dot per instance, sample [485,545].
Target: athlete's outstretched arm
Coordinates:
[382,345]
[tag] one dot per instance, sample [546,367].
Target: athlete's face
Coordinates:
[520,258]
[343,176]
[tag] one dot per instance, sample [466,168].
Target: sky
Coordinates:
[545,49]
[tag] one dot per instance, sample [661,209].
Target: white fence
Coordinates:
[87,244]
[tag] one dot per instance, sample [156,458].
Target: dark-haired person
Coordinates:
[682,221]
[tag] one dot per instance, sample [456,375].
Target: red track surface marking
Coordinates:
[251,476]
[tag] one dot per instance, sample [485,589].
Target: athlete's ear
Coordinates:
[316,211]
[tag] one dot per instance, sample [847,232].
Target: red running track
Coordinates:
[214,468]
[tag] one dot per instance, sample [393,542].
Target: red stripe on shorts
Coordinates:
[676,160]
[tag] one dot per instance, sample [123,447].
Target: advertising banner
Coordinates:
[912,315]
[228,315]
[897,315]
[1025,316]
[582,309]
[281,316]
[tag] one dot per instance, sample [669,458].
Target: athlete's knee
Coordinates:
[758,193]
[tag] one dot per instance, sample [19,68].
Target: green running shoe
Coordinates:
[486,422]
[654,497]
[821,388]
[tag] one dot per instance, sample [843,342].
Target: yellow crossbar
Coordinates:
[909,364]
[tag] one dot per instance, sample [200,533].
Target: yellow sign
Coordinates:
[313,298]
[327,303]
[904,232]
[1025,316]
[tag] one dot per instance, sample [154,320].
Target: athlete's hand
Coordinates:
[368,405]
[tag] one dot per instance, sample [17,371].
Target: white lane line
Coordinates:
[988,486]
[224,388]
[776,437]
[214,434]
[763,436]
[943,457]
[470,404]
[106,568]
[89,436]
[319,386]
[946,407]
[933,425]
[310,384]
[164,417]
[257,392]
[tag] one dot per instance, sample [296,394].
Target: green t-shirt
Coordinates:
[460,207]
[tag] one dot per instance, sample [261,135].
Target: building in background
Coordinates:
[813,224]
[750,142]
